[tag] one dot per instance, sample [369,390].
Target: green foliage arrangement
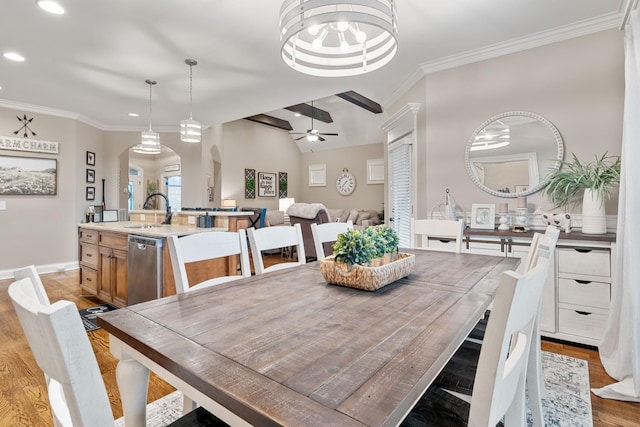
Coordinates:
[250,184]
[361,246]
[601,175]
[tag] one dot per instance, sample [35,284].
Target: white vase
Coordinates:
[594,219]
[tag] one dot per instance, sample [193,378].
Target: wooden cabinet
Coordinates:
[89,261]
[103,265]
[577,293]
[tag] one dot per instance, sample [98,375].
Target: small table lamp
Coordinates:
[503,210]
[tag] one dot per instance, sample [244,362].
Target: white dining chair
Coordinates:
[59,343]
[542,246]
[327,233]
[205,246]
[499,382]
[38,287]
[268,238]
[437,234]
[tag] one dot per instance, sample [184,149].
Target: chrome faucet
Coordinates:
[167,218]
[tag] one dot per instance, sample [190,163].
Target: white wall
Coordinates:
[576,84]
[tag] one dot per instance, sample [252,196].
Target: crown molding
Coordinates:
[14,105]
[605,22]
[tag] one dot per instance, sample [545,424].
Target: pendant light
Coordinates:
[190,130]
[150,140]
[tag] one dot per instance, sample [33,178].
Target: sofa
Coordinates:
[360,218]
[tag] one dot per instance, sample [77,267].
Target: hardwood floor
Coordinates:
[23,395]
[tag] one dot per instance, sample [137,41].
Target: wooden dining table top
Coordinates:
[287,348]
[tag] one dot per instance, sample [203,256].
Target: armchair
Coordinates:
[306,214]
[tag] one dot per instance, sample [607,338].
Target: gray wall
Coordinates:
[576,84]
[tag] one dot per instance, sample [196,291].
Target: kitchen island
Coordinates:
[105,259]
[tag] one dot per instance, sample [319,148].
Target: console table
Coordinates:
[577,294]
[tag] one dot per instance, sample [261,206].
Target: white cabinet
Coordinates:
[577,293]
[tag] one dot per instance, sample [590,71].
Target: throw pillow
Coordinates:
[363,216]
[353,216]
[345,215]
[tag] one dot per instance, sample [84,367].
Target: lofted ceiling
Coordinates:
[91,63]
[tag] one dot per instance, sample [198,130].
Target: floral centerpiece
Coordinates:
[366,259]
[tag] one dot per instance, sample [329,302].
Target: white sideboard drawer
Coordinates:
[592,262]
[588,294]
[589,325]
[441,244]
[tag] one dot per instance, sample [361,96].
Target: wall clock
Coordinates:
[346,182]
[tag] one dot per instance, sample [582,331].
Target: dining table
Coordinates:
[287,348]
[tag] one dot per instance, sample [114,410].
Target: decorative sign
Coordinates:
[25,144]
[267,184]
[25,126]
[172,168]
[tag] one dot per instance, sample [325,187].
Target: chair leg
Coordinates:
[535,388]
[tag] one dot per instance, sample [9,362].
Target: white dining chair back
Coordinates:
[263,239]
[499,385]
[550,235]
[38,287]
[205,246]
[437,234]
[327,232]
[62,350]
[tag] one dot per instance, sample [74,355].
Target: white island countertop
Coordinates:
[148,229]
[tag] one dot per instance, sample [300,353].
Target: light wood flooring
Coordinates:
[23,395]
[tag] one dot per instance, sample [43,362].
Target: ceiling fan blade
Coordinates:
[321,139]
[298,139]
[328,134]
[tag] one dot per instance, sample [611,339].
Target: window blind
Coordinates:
[400,161]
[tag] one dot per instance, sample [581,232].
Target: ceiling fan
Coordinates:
[312,134]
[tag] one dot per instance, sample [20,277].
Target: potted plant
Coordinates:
[593,181]
[355,255]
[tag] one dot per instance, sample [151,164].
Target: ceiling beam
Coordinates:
[309,111]
[270,121]
[360,101]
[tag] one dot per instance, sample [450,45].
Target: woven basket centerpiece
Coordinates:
[366,277]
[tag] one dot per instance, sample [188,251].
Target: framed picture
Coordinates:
[91,158]
[28,176]
[483,216]
[375,171]
[91,176]
[520,188]
[91,193]
[267,184]
[110,216]
[317,175]
[249,183]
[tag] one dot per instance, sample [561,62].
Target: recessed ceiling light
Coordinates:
[50,6]
[13,56]
[297,114]
[134,115]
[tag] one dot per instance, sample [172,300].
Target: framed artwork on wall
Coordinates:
[28,176]
[375,171]
[249,183]
[283,185]
[91,158]
[267,184]
[91,193]
[91,176]
[317,175]
[483,216]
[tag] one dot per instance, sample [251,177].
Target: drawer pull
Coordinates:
[88,279]
[445,240]
[88,255]
[582,250]
[583,282]
[583,313]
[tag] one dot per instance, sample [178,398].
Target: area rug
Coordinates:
[566,402]
[161,412]
[88,315]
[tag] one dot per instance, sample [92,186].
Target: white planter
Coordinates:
[594,219]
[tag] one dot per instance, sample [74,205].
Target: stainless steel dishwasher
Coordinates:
[144,279]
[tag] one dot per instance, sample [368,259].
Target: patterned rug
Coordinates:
[567,402]
[567,399]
